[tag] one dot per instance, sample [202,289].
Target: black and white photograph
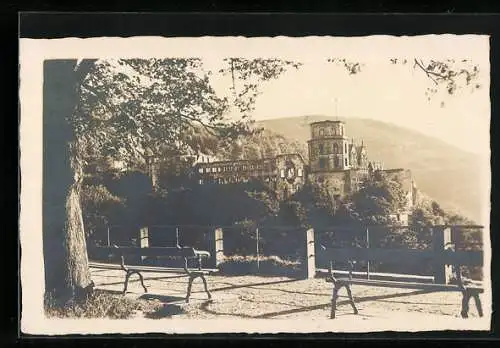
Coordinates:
[231,184]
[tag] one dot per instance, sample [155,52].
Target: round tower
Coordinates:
[328,147]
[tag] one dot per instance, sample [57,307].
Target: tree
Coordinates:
[377,199]
[127,109]
[449,75]
[65,254]
[132,109]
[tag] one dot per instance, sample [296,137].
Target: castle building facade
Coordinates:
[334,161]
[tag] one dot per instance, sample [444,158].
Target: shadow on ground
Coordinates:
[166,311]
[162,298]
[205,306]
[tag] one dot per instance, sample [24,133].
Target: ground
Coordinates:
[249,297]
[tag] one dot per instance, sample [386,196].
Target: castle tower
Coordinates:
[353,155]
[362,156]
[328,147]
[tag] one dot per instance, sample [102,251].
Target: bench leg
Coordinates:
[127,278]
[335,295]
[126,283]
[190,284]
[142,281]
[206,286]
[478,304]
[351,299]
[465,304]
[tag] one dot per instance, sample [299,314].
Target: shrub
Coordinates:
[99,304]
[268,265]
[99,206]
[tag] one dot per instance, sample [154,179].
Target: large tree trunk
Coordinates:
[67,274]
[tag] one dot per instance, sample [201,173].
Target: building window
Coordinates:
[335,148]
[345,161]
[321,149]
[345,147]
[299,172]
[201,182]
[321,132]
[336,162]
[200,170]
[322,163]
[282,173]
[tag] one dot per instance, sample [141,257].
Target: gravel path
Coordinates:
[255,297]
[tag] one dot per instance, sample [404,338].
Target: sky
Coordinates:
[381,91]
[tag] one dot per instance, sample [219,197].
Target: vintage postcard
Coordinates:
[257,185]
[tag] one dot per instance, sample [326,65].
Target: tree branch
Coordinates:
[209,128]
[429,73]
[82,68]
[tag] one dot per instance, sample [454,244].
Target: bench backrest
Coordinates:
[153,251]
[404,256]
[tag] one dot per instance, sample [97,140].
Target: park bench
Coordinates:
[405,257]
[185,253]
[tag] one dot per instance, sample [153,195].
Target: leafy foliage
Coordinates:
[351,67]
[132,108]
[377,199]
[252,72]
[448,74]
[136,109]
[99,206]
[263,144]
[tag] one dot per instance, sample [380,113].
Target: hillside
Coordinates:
[444,172]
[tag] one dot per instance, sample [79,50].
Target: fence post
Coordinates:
[367,246]
[441,237]
[257,248]
[310,254]
[144,240]
[219,246]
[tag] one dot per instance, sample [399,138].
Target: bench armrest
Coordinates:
[202,253]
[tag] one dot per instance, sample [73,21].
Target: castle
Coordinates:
[333,161]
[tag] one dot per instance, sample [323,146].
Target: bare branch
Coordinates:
[428,73]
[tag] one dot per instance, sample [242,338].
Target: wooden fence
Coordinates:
[442,238]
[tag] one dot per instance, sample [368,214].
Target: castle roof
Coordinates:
[326,121]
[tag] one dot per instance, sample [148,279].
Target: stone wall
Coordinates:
[285,173]
[337,183]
